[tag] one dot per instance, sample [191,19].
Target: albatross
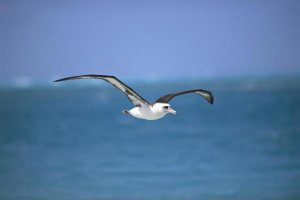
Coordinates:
[143,109]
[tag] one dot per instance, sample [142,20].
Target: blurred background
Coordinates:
[70,141]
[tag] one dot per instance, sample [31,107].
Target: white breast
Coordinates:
[146,112]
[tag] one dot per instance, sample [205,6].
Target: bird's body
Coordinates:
[149,112]
[143,109]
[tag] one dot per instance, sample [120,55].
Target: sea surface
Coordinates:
[69,141]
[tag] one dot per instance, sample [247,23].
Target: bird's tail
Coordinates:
[125,112]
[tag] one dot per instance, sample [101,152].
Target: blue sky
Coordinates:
[149,39]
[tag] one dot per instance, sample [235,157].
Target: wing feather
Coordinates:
[133,96]
[207,95]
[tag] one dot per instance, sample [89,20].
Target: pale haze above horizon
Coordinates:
[149,39]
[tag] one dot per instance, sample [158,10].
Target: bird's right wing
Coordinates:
[204,93]
[133,96]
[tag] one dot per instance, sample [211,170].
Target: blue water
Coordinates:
[72,142]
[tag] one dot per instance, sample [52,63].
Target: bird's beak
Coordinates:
[170,110]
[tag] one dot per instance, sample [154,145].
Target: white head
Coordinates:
[163,108]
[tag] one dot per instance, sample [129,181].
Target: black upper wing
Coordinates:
[206,94]
[134,97]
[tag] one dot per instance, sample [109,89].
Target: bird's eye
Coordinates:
[166,107]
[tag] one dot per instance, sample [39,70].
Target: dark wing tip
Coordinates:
[211,98]
[208,96]
[62,79]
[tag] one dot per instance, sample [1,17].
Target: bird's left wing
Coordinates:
[207,95]
[134,97]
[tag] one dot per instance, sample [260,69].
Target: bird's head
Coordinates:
[164,108]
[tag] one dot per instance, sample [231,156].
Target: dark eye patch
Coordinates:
[166,107]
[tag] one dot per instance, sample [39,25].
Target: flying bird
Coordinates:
[143,109]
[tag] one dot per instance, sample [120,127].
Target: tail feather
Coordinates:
[125,112]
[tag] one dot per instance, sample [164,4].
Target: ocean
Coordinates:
[71,141]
